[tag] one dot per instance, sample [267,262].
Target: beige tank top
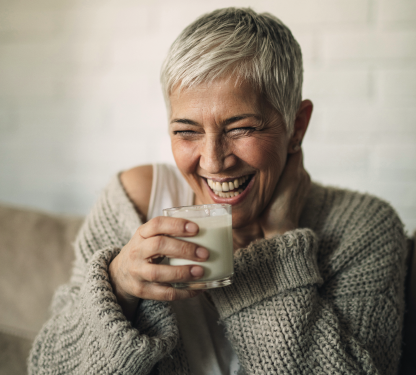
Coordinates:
[207,349]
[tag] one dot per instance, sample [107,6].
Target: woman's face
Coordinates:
[229,144]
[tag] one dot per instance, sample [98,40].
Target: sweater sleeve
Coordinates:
[303,304]
[88,333]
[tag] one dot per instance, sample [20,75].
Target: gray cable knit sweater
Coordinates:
[323,299]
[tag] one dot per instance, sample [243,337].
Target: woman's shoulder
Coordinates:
[345,213]
[113,218]
[137,184]
[353,203]
[356,229]
[154,187]
[339,211]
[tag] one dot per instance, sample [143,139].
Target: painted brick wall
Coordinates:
[80,97]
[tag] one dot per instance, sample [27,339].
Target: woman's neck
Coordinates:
[242,237]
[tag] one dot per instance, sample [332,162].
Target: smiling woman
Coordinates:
[318,271]
[226,131]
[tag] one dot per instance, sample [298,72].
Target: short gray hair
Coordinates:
[238,42]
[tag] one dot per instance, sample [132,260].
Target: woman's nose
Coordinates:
[215,156]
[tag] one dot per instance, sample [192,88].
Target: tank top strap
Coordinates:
[169,189]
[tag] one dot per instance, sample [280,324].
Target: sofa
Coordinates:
[36,257]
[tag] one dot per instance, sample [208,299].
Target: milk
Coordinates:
[215,234]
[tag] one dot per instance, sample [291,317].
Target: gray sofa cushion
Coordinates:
[35,258]
[13,353]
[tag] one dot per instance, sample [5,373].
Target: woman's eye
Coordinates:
[184,133]
[241,131]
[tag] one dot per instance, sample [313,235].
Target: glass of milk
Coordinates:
[215,234]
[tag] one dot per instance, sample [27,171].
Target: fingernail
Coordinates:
[191,227]
[197,271]
[202,253]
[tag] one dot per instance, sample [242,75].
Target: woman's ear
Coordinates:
[299,127]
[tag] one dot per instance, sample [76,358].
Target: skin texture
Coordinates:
[139,176]
[218,131]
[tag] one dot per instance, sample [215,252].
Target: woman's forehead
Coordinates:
[220,96]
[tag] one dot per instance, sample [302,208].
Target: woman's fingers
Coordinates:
[160,292]
[160,273]
[134,271]
[160,246]
[171,226]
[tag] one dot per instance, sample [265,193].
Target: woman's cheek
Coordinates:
[259,152]
[184,154]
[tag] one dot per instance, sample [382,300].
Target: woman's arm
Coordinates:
[288,313]
[88,332]
[115,282]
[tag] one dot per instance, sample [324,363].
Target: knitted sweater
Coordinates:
[326,298]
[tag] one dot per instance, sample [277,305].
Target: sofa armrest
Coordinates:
[35,258]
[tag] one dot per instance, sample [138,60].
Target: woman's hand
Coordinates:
[135,273]
[283,212]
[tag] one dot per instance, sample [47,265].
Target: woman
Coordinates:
[318,271]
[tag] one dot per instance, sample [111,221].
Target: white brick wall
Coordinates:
[80,96]
[400,13]
[369,47]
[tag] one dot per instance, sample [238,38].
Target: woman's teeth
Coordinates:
[227,189]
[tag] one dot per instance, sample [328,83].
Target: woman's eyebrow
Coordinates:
[224,123]
[239,117]
[184,121]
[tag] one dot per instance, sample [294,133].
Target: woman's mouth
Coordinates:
[229,189]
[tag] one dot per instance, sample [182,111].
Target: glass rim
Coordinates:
[198,207]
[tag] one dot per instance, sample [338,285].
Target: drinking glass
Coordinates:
[215,234]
